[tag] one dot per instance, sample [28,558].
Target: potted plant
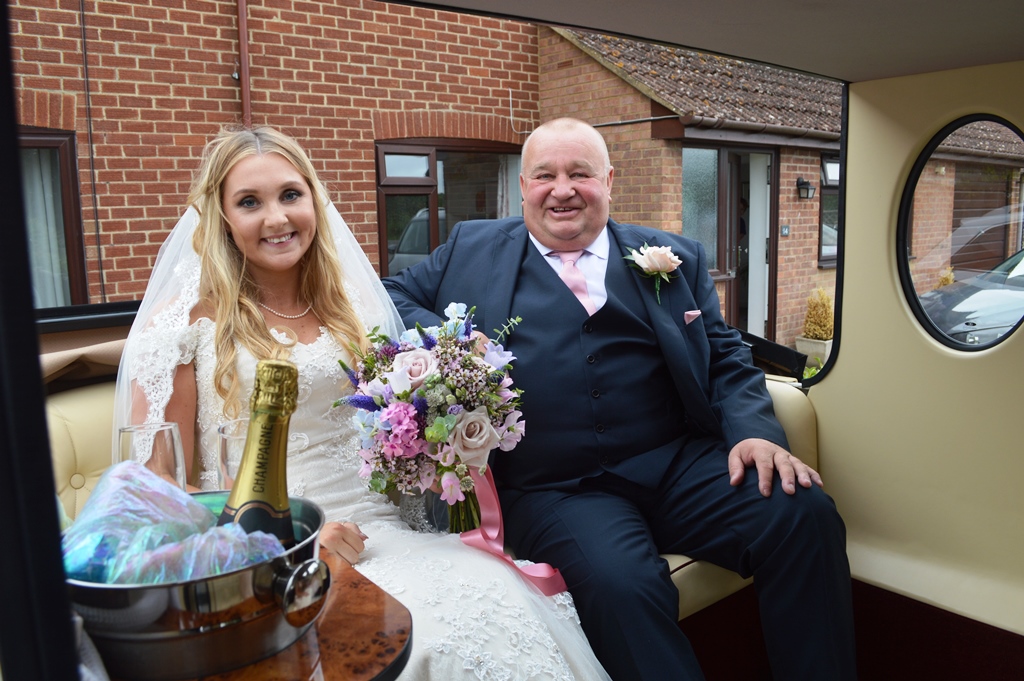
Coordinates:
[816,341]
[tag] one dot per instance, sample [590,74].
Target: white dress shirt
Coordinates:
[593,263]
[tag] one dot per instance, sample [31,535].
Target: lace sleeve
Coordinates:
[161,337]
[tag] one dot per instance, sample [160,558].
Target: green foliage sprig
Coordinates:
[506,329]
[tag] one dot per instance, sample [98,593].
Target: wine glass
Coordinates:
[232,443]
[157,446]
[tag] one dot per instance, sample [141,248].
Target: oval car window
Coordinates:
[960,233]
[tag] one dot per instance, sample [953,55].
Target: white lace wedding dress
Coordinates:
[473,617]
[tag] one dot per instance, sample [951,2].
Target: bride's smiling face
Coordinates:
[270,213]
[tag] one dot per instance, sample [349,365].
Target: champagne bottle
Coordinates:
[259,496]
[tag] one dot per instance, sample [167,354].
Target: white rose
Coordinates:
[399,381]
[474,437]
[419,363]
[657,259]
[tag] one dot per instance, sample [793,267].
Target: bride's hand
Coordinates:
[480,347]
[344,539]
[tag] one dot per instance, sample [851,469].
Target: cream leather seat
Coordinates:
[80,422]
[700,584]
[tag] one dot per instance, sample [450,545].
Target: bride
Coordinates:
[261,247]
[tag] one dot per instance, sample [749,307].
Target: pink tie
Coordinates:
[574,279]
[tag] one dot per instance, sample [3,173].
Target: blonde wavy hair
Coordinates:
[228,291]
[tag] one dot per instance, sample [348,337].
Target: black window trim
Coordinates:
[827,261]
[904,226]
[426,186]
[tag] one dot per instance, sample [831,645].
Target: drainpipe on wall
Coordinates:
[243,58]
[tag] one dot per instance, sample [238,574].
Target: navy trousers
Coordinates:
[606,539]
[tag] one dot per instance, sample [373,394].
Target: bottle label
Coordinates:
[266,439]
[259,515]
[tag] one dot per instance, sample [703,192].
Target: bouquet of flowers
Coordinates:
[430,408]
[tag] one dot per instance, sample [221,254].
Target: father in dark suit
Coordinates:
[643,412]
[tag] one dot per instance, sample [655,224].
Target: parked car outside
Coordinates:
[981,309]
[414,243]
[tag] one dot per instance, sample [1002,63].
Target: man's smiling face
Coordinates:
[566,184]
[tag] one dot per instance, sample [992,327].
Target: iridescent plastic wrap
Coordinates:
[137,528]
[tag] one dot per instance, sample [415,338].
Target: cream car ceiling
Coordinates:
[848,40]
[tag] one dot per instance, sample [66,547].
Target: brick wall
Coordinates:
[337,75]
[647,187]
[798,271]
[648,180]
[932,219]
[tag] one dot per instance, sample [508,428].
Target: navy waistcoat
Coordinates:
[597,392]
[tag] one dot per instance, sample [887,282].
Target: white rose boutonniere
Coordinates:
[656,262]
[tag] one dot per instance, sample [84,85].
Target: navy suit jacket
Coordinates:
[723,392]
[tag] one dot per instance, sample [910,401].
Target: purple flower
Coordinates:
[497,356]
[455,409]
[352,375]
[388,350]
[428,341]
[420,404]
[360,402]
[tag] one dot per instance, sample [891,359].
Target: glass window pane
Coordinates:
[44,215]
[830,173]
[700,199]
[471,185]
[477,185]
[829,224]
[964,233]
[406,165]
[408,230]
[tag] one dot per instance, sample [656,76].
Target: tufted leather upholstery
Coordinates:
[80,422]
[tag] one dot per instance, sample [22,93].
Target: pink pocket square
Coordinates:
[690,315]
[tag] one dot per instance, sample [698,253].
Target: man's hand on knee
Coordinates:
[767,457]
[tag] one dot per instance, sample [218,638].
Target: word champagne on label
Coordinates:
[259,497]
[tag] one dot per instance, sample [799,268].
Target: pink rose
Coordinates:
[653,259]
[419,364]
[474,437]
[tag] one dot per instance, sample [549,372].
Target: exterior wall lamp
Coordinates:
[804,188]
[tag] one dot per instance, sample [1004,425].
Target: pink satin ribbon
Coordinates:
[490,537]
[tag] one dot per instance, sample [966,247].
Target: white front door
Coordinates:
[758,219]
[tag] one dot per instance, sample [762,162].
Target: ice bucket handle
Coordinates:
[300,591]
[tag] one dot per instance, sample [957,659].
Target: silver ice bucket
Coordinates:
[187,629]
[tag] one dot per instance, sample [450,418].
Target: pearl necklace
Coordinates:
[286,316]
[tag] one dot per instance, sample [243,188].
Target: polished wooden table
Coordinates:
[363,633]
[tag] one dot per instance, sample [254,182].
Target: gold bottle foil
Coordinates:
[259,497]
